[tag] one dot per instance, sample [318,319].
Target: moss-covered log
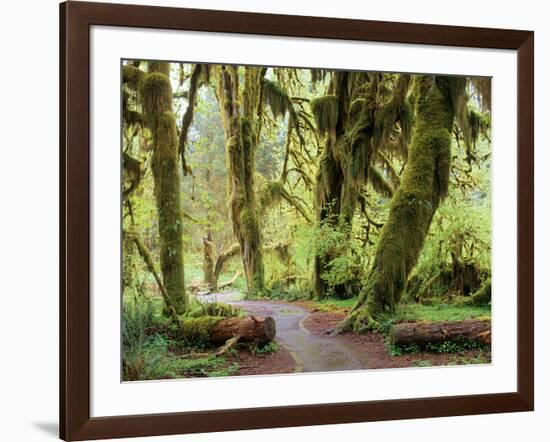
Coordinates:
[424,333]
[218,329]
[423,187]
[156,93]
[241,138]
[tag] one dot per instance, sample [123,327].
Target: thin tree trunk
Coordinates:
[156,92]
[423,187]
[208,261]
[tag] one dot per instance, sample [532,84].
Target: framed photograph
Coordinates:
[276,220]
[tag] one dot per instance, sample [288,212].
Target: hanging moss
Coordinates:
[277,99]
[269,192]
[397,110]
[132,76]
[379,183]
[482,85]
[424,185]
[325,112]
[160,66]
[318,75]
[156,91]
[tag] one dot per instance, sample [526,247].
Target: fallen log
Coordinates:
[218,329]
[423,333]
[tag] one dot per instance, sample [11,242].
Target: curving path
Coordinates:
[311,353]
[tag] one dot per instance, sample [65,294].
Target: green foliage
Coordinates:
[455,346]
[215,309]
[345,257]
[413,312]
[440,347]
[143,352]
[264,349]
[409,349]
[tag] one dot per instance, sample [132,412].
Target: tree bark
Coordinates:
[156,92]
[240,139]
[422,334]
[208,261]
[218,330]
[423,187]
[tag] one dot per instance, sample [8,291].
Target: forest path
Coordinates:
[311,353]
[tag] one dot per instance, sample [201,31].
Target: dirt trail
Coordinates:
[311,353]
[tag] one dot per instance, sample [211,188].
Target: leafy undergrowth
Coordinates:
[457,347]
[440,313]
[152,349]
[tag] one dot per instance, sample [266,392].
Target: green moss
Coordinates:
[397,110]
[214,309]
[159,66]
[156,91]
[132,76]
[277,99]
[197,330]
[325,112]
[481,297]
[240,139]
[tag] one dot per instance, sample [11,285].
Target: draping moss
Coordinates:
[325,112]
[132,76]
[277,99]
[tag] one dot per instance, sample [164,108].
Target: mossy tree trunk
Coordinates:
[423,187]
[240,116]
[156,92]
[208,260]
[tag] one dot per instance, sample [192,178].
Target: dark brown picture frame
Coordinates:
[75,21]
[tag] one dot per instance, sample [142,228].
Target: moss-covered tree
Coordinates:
[156,92]
[423,186]
[241,122]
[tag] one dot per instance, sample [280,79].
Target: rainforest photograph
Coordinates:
[280,220]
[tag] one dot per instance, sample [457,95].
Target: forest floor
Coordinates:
[303,343]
